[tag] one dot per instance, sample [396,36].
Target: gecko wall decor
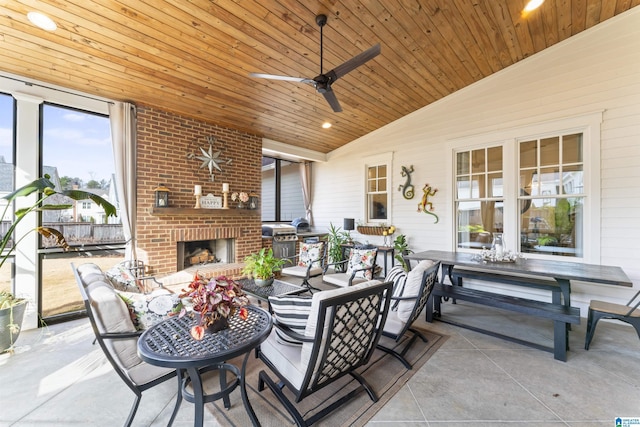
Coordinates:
[407,188]
[425,205]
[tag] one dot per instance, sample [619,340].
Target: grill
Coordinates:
[284,239]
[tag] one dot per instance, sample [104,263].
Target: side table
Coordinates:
[169,344]
[263,293]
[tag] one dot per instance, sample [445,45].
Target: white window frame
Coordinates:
[385,159]
[589,125]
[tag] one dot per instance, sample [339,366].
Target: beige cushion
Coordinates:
[285,358]
[341,279]
[411,288]
[302,271]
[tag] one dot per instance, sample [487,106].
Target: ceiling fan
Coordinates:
[323,81]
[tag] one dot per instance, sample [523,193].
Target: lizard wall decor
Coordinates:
[407,188]
[425,205]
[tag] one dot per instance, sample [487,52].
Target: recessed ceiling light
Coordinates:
[326,125]
[533,5]
[41,20]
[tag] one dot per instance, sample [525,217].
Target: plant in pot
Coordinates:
[336,238]
[261,266]
[401,248]
[12,308]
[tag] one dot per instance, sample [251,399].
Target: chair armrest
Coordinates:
[120,335]
[144,279]
[403,298]
[327,265]
[290,332]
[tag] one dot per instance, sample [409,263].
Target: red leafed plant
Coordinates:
[214,299]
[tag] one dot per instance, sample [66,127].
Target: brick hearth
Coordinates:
[164,142]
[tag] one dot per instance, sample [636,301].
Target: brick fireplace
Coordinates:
[165,141]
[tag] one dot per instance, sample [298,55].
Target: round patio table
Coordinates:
[169,344]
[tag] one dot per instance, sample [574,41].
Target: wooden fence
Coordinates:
[78,233]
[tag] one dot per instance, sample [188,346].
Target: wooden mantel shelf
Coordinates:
[203,212]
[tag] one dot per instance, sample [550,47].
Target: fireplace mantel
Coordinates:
[203,212]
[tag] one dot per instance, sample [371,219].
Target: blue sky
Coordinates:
[77,143]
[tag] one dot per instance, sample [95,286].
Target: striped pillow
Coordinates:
[398,276]
[292,311]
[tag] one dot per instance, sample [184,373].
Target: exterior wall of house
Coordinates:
[595,71]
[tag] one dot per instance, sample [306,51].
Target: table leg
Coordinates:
[243,392]
[565,288]
[198,396]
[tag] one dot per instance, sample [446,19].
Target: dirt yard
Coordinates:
[59,289]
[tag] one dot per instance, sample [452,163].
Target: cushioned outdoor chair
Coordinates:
[359,266]
[117,336]
[308,263]
[629,313]
[407,303]
[339,336]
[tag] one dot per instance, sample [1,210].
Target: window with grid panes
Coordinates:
[377,193]
[479,196]
[552,195]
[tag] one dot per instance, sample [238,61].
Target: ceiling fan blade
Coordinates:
[330,96]
[354,62]
[286,78]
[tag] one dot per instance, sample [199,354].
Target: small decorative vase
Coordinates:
[220,324]
[240,205]
[498,245]
[263,282]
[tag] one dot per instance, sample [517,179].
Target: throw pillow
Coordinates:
[411,288]
[398,276]
[122,279]
[148,309]
[359,259]
[292,311]
[310,253]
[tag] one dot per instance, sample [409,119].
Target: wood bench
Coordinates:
[561,315]
[458,274]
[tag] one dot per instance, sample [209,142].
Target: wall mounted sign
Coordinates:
[211,202]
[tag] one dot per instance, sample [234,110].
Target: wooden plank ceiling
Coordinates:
[193,57]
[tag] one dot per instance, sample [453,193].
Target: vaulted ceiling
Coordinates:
[193,57]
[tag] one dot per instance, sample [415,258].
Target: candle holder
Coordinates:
[225,203]
[197,192]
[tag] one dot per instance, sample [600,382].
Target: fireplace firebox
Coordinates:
[203,252]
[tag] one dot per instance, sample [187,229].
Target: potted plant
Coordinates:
[213,301]
[12,308]
[401,248]
[261,266]
[336,238]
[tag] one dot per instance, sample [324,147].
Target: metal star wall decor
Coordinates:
[210,158]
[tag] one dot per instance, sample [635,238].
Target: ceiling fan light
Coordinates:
[533,5]
[41,20]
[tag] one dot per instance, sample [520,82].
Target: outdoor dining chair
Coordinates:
[118,337]
[308,263]
[407,304]
[341,333]
[629,313]
[359,266]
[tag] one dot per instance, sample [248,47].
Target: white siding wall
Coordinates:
[598,70]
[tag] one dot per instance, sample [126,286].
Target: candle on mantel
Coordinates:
[225,187]
[197,191]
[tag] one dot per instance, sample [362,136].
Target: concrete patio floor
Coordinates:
[58,378]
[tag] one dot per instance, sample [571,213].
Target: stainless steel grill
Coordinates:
[284,239]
